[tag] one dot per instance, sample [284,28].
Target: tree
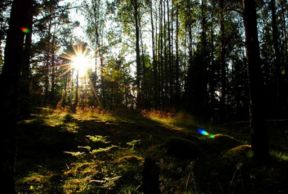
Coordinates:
[95,13]
[257,121]
[136,16]
[10,82]
[222,59]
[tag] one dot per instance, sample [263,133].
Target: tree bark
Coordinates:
[257,121]
[154,64]
[25,103]
[136,18]
[222,62]
[177,63]
[9,100]
[76,93]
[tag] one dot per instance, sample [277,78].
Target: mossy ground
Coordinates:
[100,152]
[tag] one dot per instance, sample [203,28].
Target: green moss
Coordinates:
[133,143]
[101,150]
[75,154]
[281,156]
[34,183]
[98,138]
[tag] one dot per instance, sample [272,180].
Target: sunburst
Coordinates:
[79,60]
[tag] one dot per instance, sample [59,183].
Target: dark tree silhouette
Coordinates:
[10,81]
[257,121]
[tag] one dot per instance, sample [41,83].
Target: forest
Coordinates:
[142,96]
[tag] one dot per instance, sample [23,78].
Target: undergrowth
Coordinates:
[97,151]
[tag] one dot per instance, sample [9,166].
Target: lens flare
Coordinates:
[211,136]
[81,63]
[79,60]
[202,132]
[25,30]
[205,133]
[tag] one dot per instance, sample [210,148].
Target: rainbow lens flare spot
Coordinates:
[212,136]
[205,133]
[25,30]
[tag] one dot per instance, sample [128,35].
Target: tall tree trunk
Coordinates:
[284,49]
[10,82]
[165,59]
[212,83]
[145,88]
[53,70]
[154,64]
[136,18]
[25,104]
[222,62]
[277,73]
[76,93]
[257,121]
[160,54]
[47,65]
[177,63]
[170,75]
[203,95]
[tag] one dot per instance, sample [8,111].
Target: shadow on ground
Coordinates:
[60,152]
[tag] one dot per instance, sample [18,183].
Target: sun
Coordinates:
[78,61]
[81,63]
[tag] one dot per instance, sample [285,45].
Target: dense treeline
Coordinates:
[159,54]
[187,55]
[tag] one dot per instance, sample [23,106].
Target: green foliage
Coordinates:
[133,143]
[75,154]
[101,150]
[98,138]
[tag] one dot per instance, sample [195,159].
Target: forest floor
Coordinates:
[100,152]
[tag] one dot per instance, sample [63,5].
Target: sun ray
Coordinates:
[79,60]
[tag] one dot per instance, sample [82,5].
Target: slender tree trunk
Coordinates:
[160,54]
[203,67]
[76,93]
[257,121]
[170,75]
[177,74]
[145,88]
[284,49]
[47,66]
[53,70]
[153,56]
[212,68]
[25,104]
[136,18]
[222,62]
[277,73]
[284,35]
[64,96]
[165,58]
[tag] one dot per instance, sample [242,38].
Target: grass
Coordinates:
[100,151]
[96,151]
[176,121]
